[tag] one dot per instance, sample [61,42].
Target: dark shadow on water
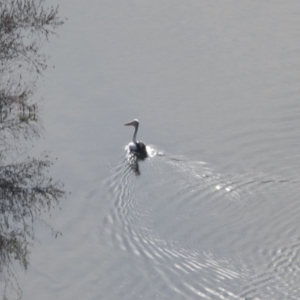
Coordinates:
[133,162]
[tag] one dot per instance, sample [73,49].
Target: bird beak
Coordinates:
[129,123]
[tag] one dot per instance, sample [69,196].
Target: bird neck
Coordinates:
[135,133]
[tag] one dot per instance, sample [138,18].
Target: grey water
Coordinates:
[214,212]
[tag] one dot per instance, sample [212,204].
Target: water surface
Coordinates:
[215,214]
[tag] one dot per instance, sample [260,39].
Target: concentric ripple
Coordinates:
[200,232]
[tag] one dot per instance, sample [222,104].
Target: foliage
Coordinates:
[25,192]
[25,188]
[18,118]
[23,25]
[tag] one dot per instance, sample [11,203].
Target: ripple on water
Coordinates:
[150,219]
[200,232]
[278,277]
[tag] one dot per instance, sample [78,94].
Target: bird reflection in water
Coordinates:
[133,163]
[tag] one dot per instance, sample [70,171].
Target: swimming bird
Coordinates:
[136,147]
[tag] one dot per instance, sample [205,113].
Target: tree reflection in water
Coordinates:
[25,189]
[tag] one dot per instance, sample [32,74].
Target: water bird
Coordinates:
[136,147]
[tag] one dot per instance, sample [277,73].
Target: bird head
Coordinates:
[134,123]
